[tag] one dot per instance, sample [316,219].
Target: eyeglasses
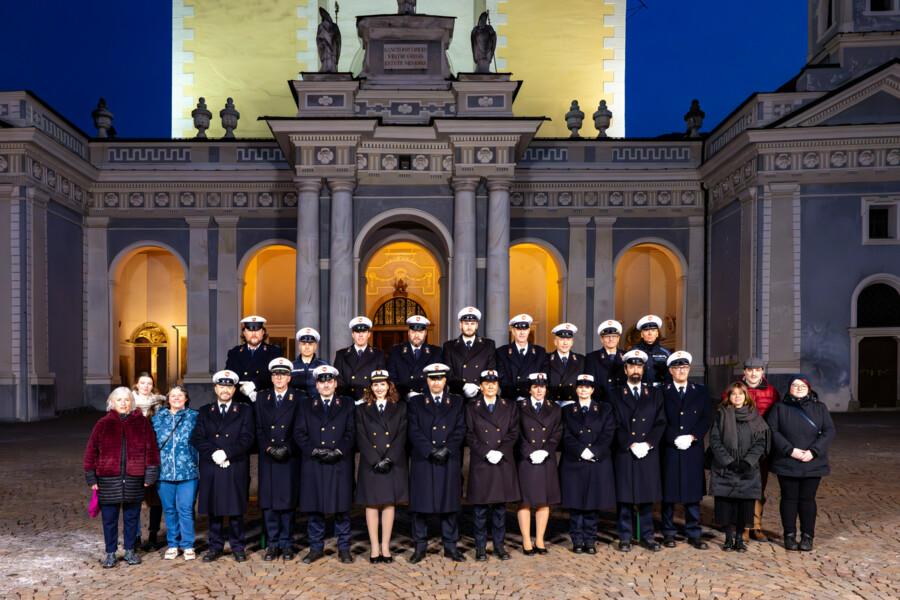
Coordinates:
[799,386]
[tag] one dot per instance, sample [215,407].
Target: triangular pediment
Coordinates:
[872,98]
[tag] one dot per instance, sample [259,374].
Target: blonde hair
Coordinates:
[116,393]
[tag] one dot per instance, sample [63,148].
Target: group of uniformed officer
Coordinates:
[629,427]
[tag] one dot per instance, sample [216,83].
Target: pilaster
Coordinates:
[463,276]
[781,278]
[306,299]
[98,317]
[576,286]
[497,305]
[341,286]
[198,360]
[693,294]
[604,273]
[227,290]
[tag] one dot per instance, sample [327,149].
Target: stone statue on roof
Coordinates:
[484,42]
[406,7]
[328,43]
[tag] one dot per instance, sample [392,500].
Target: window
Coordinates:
[880,221]
[881,5]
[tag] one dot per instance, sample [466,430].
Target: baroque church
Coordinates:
[412,178]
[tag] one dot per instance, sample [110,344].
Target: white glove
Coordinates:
[470,389]
[539,456]
[219,457]
[683,442]
[412,395]
[564,403]
[586,454]
[494,456]
[247,388]
[519,398]
[225,464]
[641,450]
[360,401]
[252,396]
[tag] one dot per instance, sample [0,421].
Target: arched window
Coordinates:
[878,305]
[396,311]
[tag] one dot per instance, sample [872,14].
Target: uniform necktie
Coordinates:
[491,407]
[278,401]
[636,391]
[380,408]
[359,354]
[327,404]
[681,392]
[416,352]
[537,407]
[565,359]
[222,410]
[522,354]
[469,345]
[584,410]
[437,400]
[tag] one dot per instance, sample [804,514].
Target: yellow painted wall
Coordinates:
[534,288]
[269,284]
[648,282]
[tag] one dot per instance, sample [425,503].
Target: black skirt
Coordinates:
[734,510]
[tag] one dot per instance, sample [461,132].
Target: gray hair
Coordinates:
[116,393]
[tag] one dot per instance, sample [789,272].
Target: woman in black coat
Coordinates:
[540,431]
[802,431]
[383,478]
[586,469]
[739,439]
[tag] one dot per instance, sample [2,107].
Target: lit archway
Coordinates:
[268,275]
[875,343]
[536,288]
[649,279]
[149,300]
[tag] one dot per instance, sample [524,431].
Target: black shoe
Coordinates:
[578,548]
[540,550]
[624,546]
[501,553]
[387,559]
[650,545]
[527,552]
[480,555]
[239,556]
[739,545]
[287,553]
[374,559]
[669,541]
[805,543]
[345,556]
[152,543]
[417,556]
[728,546]
[590,549]
[312,556]
[454,555]
[109,561]
[137,542]
[271,554]
[131,558]
[697,543]
[212,555]
[790,542]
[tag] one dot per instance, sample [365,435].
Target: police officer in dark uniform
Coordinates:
[469,354]
[640,424]
[356,362]
[492,429]
[279,459]
[656,373]
[518,360]
[223,436]
[606,364]
[251,359]
[302,378]
[688,417]
[563,365]
[406,361]
[325,431]
[436,430]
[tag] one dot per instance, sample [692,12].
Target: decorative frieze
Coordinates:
[147,198]
[635,195]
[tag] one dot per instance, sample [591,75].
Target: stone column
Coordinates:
[463,277]
[8,230]
[227,290]
[39,400]
[198,359]
[98,361]
[604,275]
[341,303]
[497,308]
[694,301]
[576,293]
[781,278]
[306,299]
[747,307]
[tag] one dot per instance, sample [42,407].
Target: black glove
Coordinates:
[383,466]
[733,465]
[279,453]
[433,456]
[332,456]
[443,455]
[319,454]
[743,467]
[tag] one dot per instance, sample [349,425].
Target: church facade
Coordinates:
[400,191]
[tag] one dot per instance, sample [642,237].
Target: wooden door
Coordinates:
[878,372]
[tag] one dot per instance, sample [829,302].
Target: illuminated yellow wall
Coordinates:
[249,49]
[534,286]
[648,281]
[269,278]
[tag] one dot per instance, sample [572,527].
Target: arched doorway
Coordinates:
[535,286]
[150,316]
[402,279]
[875,343]
[268,278]
[649,279]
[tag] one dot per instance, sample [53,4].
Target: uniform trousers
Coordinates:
[497,513]
[624,525]
[449,530]
[279,527]
[131,514]
[583,526]
[235,532]
[691,519]
[798,497]
[316,530]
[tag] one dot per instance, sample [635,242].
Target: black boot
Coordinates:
[805,543]
[790,542]
[152,543]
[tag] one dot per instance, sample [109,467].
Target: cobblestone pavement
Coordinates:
[50,547]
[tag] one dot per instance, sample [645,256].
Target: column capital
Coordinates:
[579,221]
[342,185]
[787,188]
[308,184]
[227,220]
[197,222]
[747,195]
[604,221]
[499,185]
[96,222]
[696,220]
[464,184]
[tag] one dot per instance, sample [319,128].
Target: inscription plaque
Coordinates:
[405,56]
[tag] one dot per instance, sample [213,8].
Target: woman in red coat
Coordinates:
[120,461]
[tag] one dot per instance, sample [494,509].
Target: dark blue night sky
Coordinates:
[70,53]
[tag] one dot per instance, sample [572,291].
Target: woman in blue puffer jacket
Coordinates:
[179,472]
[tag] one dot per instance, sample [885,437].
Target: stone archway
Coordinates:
[267,271]
[875,343]
[536,285]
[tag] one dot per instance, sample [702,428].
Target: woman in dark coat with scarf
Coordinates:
[802,431]
[739,440]
[383,479]
[120,461]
